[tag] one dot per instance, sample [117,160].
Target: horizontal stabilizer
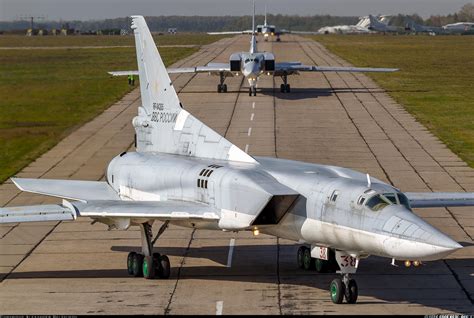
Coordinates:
[440,199]
[37,213]
[68,189]
[209,68]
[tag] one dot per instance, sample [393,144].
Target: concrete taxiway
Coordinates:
[331,118]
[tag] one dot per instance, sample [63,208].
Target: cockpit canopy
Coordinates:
[379,201]
[251,59]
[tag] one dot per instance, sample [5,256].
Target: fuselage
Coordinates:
[335,207]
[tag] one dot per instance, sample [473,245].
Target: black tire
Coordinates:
[130,257]
[225,88]
[148,267]
[219,88]
[250,91]
[137,265]
[282,88]
[336,291]
[255,91]
[299,256]
[352,292]
[320,265]
[288,88]
[165,267]
[308,261]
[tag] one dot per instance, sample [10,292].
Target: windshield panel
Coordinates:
[377,203]
[404,201]
[392,197]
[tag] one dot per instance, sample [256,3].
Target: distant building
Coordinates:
[172,30]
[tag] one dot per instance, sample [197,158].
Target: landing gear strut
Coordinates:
[147,263]
[221,87]
[341,287]
[252,91]
[285,87]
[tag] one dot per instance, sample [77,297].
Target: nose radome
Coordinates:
[410,237]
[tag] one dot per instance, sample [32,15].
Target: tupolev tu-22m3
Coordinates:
[254,64]
[186,174]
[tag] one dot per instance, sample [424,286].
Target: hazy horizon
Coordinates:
[11,10]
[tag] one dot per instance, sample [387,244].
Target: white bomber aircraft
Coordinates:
[254,64]
[186,174]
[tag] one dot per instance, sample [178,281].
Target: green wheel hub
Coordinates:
[145,269]
[333,291]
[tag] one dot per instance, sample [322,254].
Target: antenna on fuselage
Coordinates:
[368,181]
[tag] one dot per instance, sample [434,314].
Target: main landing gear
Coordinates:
[285,87]
[148,264]
[253,91]
[221,87]
[340,288]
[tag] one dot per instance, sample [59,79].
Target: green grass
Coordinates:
[435,82]
[45,94]
[103,40]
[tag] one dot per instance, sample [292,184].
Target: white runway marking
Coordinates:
[253,105]
[251,116]
[250,131]
[219,307]
[231,252]
[246,148]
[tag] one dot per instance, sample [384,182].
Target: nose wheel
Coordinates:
[222,88]
[147,264]
[341,288]
[285,88]
[252,91]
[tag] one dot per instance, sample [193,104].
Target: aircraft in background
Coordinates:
[460,28]
[184,173]
[360,28]
[380,24]
[265,29]
[254,64]
[412,26]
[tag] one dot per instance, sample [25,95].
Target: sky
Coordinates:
[11,10]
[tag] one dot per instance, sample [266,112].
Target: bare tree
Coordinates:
[466,14]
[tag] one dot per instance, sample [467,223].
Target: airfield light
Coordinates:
[416,263]
[407,263]
[256,232]
[268,73]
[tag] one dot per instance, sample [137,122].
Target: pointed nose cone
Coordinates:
[412,238]
[251,70]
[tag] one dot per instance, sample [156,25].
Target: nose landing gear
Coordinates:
[337,261]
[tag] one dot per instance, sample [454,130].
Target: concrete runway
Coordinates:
[331,118]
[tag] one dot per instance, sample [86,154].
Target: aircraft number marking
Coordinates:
[323,253]
[347,260]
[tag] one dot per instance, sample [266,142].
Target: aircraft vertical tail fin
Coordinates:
[162,125]
[155,84]
[265,22]
[253,41]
